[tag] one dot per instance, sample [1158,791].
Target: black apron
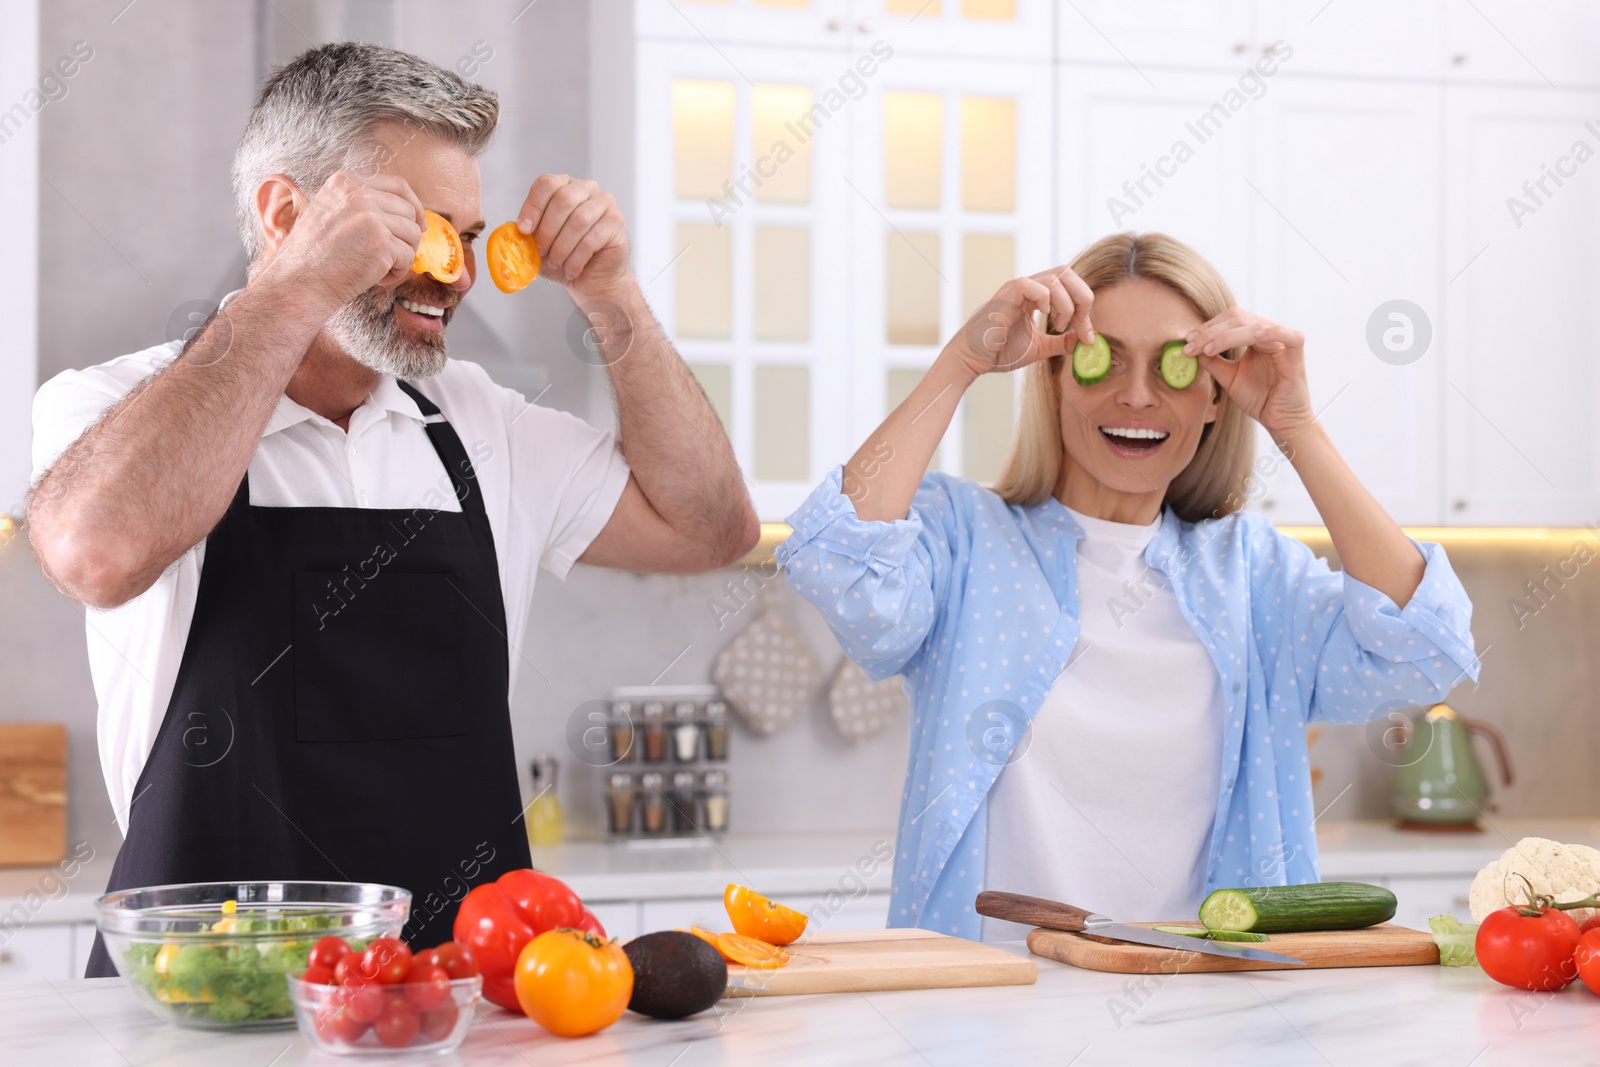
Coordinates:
[340,713]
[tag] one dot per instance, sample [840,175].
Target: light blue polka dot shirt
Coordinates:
[976,603]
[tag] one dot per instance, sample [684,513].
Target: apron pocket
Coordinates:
[377,661]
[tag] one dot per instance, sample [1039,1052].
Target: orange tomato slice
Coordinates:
[750,951]
[512,258]
[704,935]
[755,916]
[440,253]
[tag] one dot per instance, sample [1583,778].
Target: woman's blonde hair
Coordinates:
[1213,484]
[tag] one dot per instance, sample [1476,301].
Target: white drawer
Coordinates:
[38,953]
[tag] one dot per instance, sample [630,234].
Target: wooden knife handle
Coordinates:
[1035,911]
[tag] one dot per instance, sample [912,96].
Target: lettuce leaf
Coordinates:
[1456,941]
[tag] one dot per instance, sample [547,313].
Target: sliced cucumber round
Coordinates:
[1177,369]
[1091,362]
[1213,935]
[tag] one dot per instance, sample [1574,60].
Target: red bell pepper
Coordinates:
[498,918]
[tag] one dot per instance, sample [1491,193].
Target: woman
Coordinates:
[1111,666]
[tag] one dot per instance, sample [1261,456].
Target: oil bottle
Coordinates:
[544,811]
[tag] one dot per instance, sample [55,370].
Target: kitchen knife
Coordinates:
[1036,911]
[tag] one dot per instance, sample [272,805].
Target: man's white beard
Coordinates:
[367,332]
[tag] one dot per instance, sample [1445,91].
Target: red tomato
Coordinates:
[428,957]
[1586,958]
[397,1029]
[545,902]
[590,925]
[1528,951]
[363,1002]
[1592,924]
[317,975]
[327,952]
[351,971]
[457,959]
[437,1024]
[336,1026]
[387,959]
[428,987]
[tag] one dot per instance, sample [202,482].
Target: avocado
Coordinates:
[675,974]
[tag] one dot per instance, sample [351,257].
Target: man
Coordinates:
[310,540]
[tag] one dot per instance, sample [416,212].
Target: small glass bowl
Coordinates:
[189,964]
[326,1021]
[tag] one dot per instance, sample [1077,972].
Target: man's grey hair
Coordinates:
[316,116]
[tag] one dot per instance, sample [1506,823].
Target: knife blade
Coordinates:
[1053,915]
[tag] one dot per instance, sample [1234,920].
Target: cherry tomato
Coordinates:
[428,957]
[753,915]
[1592,924]
[327,952]
[437,1024]
[397,1029]
[387,959]
[1586,958]
[351,971]
[457,959]
[1528,951]
[428,987]
[572,983]
[363,1002]
[317,975]
[337,1025]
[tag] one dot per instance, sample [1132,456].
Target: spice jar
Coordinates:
[717,730]
[685,732]
[620,802]
[652,803]
[714,800]
[621,730]
[655,732]
[685,802]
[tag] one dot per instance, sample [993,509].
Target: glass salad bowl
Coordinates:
[215,955]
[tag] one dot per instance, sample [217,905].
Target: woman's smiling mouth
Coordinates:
[1133,441]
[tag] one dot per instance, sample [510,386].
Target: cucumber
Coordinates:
[1278,909]
[1212,935]
[1177,369]
[1091,362]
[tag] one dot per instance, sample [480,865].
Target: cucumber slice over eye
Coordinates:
[1177,369]
[1091,362]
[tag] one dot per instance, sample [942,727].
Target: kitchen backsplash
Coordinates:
[601,629]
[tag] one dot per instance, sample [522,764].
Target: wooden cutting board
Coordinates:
[1376,946]
[33,793]
[859,961]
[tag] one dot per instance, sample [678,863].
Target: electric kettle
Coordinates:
[1439,784]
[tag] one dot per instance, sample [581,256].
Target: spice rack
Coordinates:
[667,779]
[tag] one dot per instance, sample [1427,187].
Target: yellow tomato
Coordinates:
[573,983]
[755,916]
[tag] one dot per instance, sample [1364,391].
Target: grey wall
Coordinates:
[137,222]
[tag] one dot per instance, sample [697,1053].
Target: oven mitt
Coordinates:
[767,672]
[860,706]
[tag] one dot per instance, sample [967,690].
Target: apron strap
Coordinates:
[463,476]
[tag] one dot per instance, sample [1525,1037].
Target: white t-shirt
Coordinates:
[550,483]
[1111,805]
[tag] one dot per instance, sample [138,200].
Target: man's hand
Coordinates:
[357,232]
[580,234]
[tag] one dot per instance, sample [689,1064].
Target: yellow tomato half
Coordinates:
[753,915]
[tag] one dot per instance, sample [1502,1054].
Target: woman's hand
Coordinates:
[1002,334]
[1269,380]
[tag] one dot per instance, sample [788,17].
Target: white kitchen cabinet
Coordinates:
[1521,392]
[1544,43]
[1372,39]
[1346,221]
[41,952]
[806,23]
[619,917]
[1419,899]
[1136,37]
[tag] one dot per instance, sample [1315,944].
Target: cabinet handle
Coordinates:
[1459,505]
[867,26]
[835,25]
[1240,48]
[1459,59]
[5,955]
[1268,503]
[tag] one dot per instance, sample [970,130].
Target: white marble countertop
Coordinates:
[1372,1016]
[800,864]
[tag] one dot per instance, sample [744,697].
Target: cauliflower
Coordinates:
[1564,872]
